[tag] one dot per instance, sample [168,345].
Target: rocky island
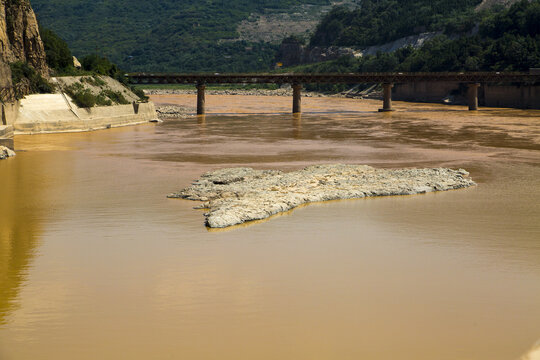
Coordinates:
[6,152]
[238,195]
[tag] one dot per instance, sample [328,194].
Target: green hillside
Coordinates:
[380,21]
[507,40]
[163,35]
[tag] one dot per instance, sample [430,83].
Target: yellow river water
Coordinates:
[96,262]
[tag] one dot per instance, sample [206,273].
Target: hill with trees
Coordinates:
[380,21]
[197,36]
[508,39]
[164,35]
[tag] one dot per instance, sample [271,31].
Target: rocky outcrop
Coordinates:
[19,35]
[534,353]
[6,152]
[171,111]
[414,41]
[237,195]
[5,76]
[486,4]
[292,52]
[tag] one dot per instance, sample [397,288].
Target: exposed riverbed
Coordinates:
[237,195]
[95,262]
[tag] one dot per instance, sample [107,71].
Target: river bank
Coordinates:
[245,92]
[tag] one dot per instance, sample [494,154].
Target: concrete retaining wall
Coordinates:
[57,113]
[523,97]
[6,132]
[423,91]
[8,115]
[511,96]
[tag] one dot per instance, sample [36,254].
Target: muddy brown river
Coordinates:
[96,262]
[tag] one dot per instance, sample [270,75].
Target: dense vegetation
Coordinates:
[84,97]
[380,21]
[59,56]
[27,80]
[508,40]
[60,61]
[163,35]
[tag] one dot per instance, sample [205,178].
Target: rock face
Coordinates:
[237,195]
[415,41]
[291,52]
[5,76]
[6,152]
[19,35]
[486,4]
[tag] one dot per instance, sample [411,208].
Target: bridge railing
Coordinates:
[350,78]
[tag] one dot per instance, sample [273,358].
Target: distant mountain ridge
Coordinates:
[164,35]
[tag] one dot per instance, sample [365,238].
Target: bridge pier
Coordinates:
[297,98]
[201,98]
[473,96]
[387,97]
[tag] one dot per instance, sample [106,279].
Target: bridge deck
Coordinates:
[350,78]
[296,80]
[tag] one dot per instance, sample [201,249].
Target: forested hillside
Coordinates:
[163,35]
[507,40]
[380,21]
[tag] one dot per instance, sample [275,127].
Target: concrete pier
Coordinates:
[387,97]
[473,96]
[297,98]
[200,98]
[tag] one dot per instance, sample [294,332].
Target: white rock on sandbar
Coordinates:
[6,152]
[237,195]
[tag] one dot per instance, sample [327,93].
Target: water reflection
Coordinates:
[20,226]
[297,126]
[201,120]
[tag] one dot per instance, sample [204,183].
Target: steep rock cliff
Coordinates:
[19,35]
[5,76]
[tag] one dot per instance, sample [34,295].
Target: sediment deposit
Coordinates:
[287,91]
[170,111]
[237,195]
[6,152]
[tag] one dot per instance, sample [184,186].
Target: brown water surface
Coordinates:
[96,263]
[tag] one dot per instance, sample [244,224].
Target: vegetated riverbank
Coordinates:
[239,195]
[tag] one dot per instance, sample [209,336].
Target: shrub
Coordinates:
[37,84]
[84,99]
[102,100]
[103,66]
[140,93]
[94,81]
[59,56]
[115,96]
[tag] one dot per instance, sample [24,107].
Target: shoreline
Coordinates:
[243,92]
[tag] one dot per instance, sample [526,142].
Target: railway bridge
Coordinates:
[473,80]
